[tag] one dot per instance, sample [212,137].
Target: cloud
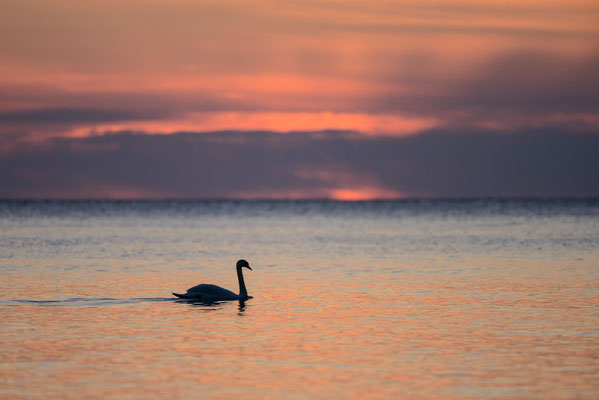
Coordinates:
[536,81]
[335,164]
[515,85]
[511,91]
[460,61]
[427,99]
[71,116]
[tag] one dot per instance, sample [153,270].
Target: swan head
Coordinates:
[243,264]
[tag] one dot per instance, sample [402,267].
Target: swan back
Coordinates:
[208,292]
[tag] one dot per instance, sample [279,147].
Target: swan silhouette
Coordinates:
[208,293]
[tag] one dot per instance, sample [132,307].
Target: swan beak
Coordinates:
[250,268]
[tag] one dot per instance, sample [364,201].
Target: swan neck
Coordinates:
[242,290]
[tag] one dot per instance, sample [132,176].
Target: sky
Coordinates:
[347,100]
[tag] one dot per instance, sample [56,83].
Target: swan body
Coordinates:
[208,293]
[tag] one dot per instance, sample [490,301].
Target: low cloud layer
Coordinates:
[332,164]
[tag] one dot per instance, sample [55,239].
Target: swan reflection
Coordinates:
[213,305]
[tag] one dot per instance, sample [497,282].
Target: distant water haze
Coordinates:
[389,299]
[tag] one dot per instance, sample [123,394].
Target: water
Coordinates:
[410,299]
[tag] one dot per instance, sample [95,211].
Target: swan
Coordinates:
[208,293]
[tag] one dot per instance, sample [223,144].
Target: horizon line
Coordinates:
[289,200]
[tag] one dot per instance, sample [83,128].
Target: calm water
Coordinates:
[377,300]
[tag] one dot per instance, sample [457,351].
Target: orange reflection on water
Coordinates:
[354,331]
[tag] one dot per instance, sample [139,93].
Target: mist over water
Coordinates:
[416,299]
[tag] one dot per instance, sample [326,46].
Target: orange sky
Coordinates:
[372,66]
[77,69]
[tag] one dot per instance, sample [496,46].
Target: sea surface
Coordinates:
[415,299]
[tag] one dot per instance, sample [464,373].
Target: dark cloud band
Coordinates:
[545,163]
